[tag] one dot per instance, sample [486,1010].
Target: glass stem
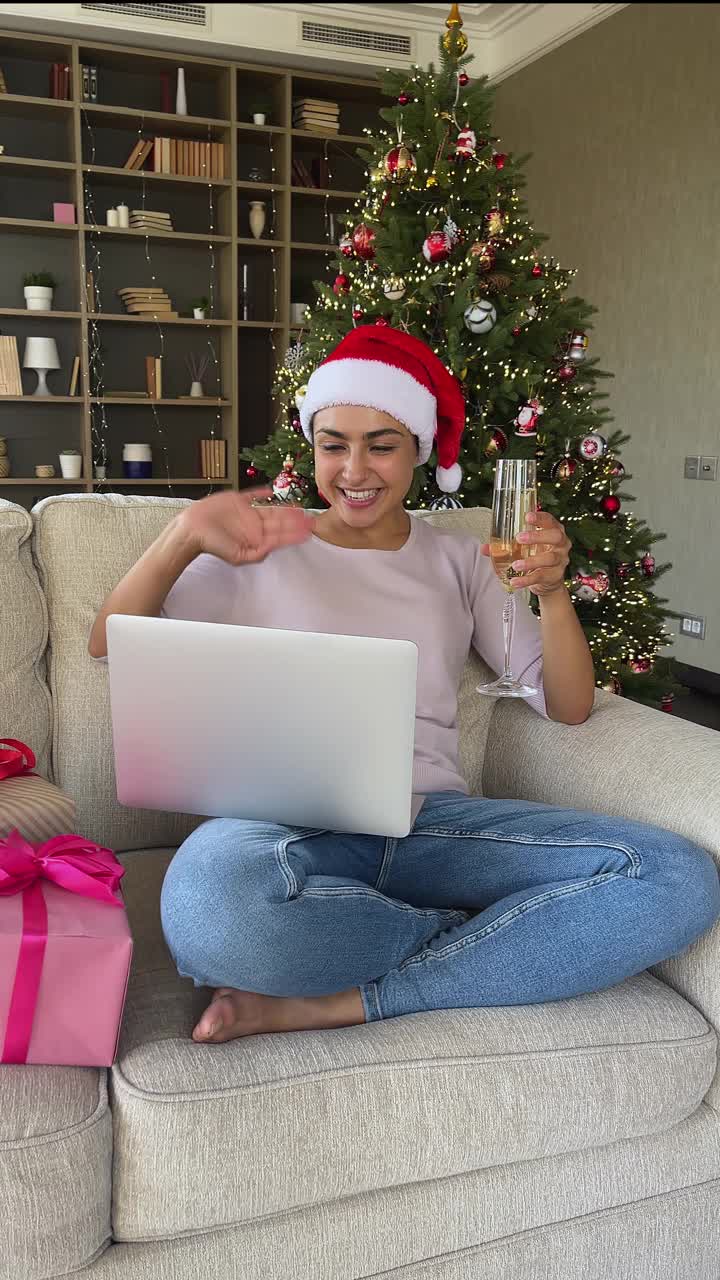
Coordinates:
[508,617]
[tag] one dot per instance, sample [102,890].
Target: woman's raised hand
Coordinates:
[230,526]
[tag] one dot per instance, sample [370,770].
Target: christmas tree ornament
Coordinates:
[299,396]
[346,247]
[609,505]
[622,571]
[454,42]
[288,486]
[578,345]
[537,271]
[612,685]
[251,472]
[448,502]
[590,586]
[399,163]
[482,254]
[466,144]
[567,468]
[394,288]
[497,443]
[647,564]
[617,470]
[527,418]
[341,284]
[516,331]
[294,356]
[452,231]
[403,98]
[357,312]
[296,425]
[566,371]
[495,223]
[499,159]
[497,282]
[480,316]
[666,703]
[437,247]
[641,666]
[431,180]
[463,79]
[363,239]
[381,322]
[531,311]
[592,446]
[390,370]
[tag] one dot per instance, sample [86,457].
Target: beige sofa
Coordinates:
[568,1140]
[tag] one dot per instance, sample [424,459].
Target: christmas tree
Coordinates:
[440,245]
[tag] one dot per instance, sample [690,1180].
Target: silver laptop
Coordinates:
[295,727]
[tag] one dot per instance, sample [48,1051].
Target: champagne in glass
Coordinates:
[514,495]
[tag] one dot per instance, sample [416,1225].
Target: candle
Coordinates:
[111,217]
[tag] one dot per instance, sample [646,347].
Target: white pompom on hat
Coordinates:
[389,370]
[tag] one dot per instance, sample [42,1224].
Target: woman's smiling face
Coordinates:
[364,462]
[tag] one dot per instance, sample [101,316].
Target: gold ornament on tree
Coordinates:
[399,163]
[454,41]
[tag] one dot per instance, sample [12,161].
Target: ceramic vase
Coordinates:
[257,218]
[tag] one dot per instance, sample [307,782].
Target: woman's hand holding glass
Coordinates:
[544,567]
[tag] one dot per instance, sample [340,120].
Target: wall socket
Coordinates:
[692,627]
[700,468]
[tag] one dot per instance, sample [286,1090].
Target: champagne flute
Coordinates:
[514,495]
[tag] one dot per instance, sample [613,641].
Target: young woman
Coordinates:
[485,902]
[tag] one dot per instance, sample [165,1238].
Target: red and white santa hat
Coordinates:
[386,369]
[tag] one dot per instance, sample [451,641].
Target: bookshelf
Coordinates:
[74,151]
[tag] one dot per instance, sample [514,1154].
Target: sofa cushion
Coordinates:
[55,1169]
[111,532]
[25,711]
[84,544]
[209,1135]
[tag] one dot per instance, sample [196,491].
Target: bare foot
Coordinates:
[232,1013]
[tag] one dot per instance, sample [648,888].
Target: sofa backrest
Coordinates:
[83,545]
[25,706]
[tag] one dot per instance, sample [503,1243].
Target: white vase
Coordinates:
[258,117]
[257,218]
[38,297]
[71,465]
[198,313]
[180,97]
[196,390]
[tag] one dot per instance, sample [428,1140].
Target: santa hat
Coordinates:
[386,369]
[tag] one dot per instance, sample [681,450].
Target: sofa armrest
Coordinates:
[633,762]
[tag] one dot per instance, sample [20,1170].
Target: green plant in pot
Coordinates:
[259,110]
[200,307]
[38,289]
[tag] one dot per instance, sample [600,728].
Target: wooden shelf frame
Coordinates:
[239,342]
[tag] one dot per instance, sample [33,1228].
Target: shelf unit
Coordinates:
[73,152]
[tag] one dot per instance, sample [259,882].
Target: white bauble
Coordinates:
[480,316]
[394,288]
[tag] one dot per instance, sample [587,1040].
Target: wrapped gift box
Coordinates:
[64,956]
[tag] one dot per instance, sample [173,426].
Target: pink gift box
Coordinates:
[82,967]
[63,212]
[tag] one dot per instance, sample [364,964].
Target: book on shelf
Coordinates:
[301,175]
[188,158]
[3,86]
[158,377]
[125,395]
[74,375]
[212,459]
[10,379]
[150,376]
[320,170]
[139,154]
[59,80]
[90,294]
[316,126]
[323,104]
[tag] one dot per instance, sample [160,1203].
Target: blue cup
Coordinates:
[137,470]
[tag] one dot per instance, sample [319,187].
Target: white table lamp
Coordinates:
[41,354]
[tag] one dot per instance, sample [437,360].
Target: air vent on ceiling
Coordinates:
[367,39]
[194,15]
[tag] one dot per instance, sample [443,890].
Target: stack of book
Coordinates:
[139,153]
[316,115]
[150,301]
[59,80]
[10,380]
[150,220]
[212,459]
[179,155]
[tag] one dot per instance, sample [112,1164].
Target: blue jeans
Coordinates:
[486,902]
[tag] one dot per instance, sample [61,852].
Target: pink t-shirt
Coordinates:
[438,590]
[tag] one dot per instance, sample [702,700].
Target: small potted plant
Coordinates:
[71,464]
[259,111]
[199,308]
[39,287]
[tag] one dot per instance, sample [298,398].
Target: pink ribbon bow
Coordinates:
[15,758]
[74,864]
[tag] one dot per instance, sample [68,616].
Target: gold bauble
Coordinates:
[431,180]
[399,163]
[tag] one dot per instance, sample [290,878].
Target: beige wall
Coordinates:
[624,126]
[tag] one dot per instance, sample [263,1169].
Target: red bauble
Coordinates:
[346,247]
[622,571]
[363,238]
[566,372]
[437,247]
[516,331]
[251,473]
[648,565]
[610,505]
[403,99]
[641,665]
[565,469]
[381,321]
[341,284]
[399,163]
[499,159]
[497,443]
[666,703]
[357,313]
[463,79]
[537,271]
